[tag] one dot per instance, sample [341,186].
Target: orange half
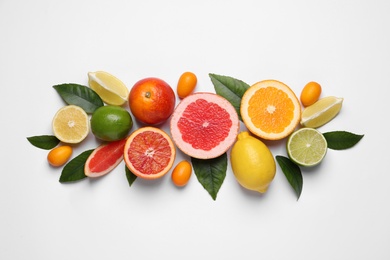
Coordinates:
[149,153]
[270,110]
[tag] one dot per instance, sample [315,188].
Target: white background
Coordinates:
[343,212]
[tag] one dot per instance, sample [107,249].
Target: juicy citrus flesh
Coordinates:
[321,112]
[270,109]
[307,147]
[252,163]
[149,153]
[110,89]
[104,158]
[70,124]
[204,125]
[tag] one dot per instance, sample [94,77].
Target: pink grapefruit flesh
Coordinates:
[204,125]
[104,158]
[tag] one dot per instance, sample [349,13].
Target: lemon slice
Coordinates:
[70,124]
[307,147]
[111,90]
[321,112]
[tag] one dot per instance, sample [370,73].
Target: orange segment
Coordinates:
[270,110]
[149,153]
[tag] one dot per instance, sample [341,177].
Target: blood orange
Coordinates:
[152,101]
[104,158]
[204,125]
[149,153]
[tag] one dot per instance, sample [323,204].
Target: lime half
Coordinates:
[307,147]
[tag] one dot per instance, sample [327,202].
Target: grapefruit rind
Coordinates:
[115,145]
[217,150]
[128,161]
[248,121]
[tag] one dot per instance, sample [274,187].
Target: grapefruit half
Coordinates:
[104,158]
[204,125]
[149,153]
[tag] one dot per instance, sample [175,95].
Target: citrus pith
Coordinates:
[149,153]
[270,109]
[204,125]
[70,124]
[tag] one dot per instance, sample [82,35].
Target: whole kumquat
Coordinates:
[310,93]
[60,155]
[182,173]
[186,84]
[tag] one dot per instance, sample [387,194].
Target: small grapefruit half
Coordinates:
[149,153]
[204,125]
[104,158]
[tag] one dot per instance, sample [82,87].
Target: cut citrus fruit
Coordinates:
[70,124]
[307,147]
[321,112]
[270,110]
[104,158]
[111,90]
[149,153]
[204,125]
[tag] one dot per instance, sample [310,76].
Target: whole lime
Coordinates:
[111,123]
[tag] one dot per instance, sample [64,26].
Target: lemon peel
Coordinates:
[252,163]
[110,89]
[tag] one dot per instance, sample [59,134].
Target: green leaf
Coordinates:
[79,95]
[230,88]
[130,176]
[46,142]
[341,140]
[211,173]
[74,170]
[292,173]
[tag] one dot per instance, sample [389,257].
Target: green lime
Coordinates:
[307,147]
[110,123]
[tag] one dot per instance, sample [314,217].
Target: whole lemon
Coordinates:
[252,163]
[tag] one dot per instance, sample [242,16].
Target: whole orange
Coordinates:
[151,101]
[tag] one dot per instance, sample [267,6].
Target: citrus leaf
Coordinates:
[79,95]
[211,173]
[46,142]
[74,169]
[292,173]
[341,140]
[130,176]
[230,88]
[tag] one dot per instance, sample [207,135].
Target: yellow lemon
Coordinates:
[321,112]
[252,163]
[71,124]
[111,90]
